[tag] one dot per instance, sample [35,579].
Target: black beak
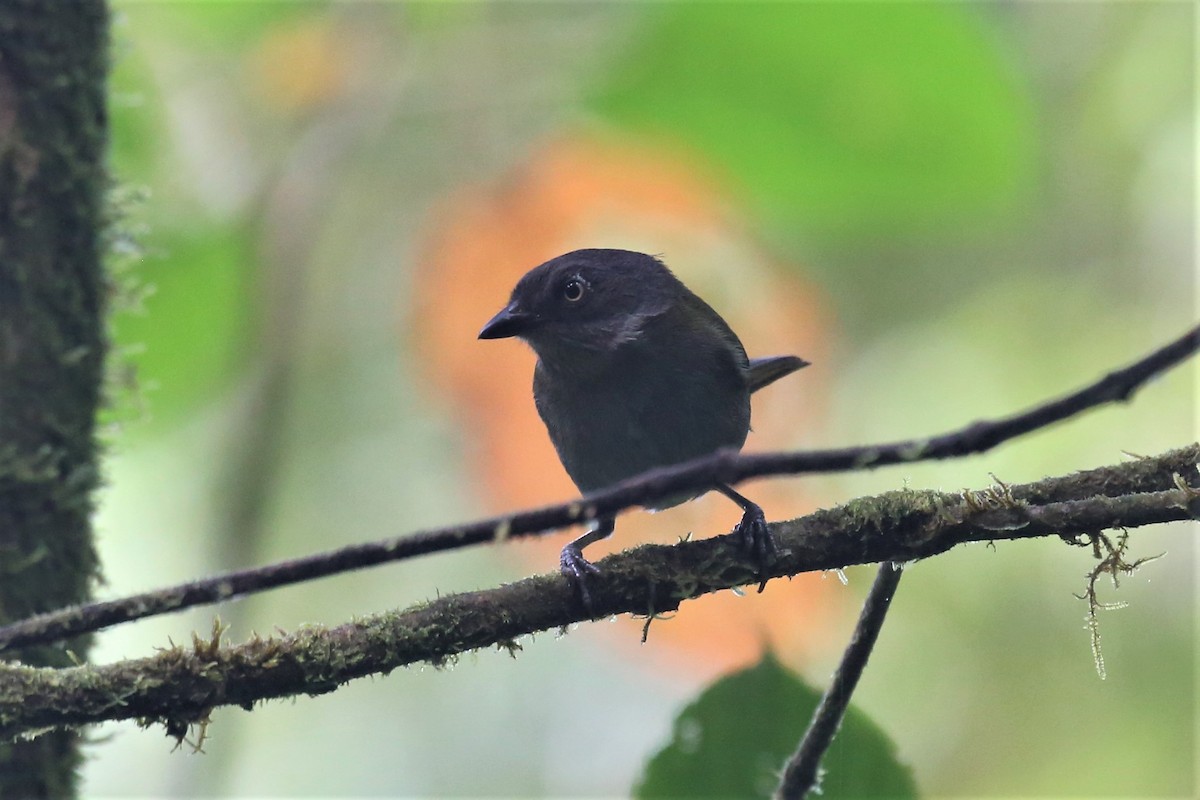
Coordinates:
[511,321]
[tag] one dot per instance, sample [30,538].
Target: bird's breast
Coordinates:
[637,413]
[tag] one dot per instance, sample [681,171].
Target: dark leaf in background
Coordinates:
[734,740]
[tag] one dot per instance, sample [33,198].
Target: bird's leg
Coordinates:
[755,535]
[572,563]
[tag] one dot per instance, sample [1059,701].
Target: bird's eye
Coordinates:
[573,290]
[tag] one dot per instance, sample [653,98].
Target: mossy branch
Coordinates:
[181,685]
[722,467]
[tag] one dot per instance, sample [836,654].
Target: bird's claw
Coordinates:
[757,540]
[576,569]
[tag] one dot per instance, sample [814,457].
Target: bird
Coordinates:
[634,371]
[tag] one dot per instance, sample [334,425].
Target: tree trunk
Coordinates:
[53,129]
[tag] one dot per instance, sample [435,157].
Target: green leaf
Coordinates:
[845,118]
[193,333]
[735,739]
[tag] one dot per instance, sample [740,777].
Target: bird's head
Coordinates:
[592,300]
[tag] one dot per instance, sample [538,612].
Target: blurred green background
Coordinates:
[983,204]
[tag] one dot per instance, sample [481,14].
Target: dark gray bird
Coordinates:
[634,372]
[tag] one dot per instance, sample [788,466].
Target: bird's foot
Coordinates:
[757,540]
[576,568]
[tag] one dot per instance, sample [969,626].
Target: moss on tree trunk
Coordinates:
[53,66]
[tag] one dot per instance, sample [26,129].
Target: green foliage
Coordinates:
[227,26]
[844,117]
[185,275]
[734,740]
[139,133]
[190,334]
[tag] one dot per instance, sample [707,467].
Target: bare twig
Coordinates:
[800,775]
[179,686]
[722,467]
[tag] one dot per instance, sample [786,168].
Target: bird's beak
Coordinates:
[511,321]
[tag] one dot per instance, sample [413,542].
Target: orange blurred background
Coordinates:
[578,192]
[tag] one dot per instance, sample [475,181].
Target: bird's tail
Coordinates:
[765,371]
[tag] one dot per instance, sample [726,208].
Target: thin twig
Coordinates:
[722,467]
[801,776]
[178,686]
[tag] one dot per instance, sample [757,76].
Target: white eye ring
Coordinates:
[573,290]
